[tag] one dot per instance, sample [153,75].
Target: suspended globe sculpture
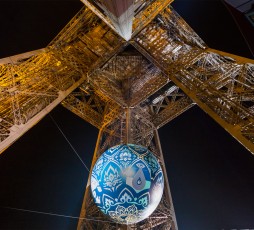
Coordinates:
[127,183]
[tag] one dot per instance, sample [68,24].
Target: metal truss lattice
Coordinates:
[128,90]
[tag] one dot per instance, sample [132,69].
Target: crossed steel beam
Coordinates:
[32,84]
[163,70]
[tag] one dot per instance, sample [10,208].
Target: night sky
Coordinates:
[210,174]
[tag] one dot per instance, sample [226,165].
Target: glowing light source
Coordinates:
[127,183]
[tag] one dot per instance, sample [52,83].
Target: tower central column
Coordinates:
[91,217]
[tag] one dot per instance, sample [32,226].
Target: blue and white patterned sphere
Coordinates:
[127,183]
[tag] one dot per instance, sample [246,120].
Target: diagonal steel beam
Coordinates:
[32,84]
[220,83]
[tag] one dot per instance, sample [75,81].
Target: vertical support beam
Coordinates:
[87,195]
[166,188]
[128,126]
[91,217]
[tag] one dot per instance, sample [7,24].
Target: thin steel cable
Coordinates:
[56,214]
[74,150]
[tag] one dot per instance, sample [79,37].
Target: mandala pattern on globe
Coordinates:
[127,183]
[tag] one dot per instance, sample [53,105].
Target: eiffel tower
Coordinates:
[127,73]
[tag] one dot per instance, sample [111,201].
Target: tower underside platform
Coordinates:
[127,88]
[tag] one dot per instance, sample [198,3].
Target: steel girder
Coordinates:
[32,84]
[127,93]
[221,84]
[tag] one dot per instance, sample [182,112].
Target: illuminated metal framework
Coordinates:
[128,90]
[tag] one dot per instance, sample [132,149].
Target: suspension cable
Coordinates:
[74,150]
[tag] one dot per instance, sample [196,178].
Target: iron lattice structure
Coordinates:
[127,89]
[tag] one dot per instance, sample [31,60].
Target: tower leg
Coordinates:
[92,218]
[167,193]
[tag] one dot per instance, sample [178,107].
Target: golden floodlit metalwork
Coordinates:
[127,89]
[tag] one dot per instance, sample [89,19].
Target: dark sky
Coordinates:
[211,175]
